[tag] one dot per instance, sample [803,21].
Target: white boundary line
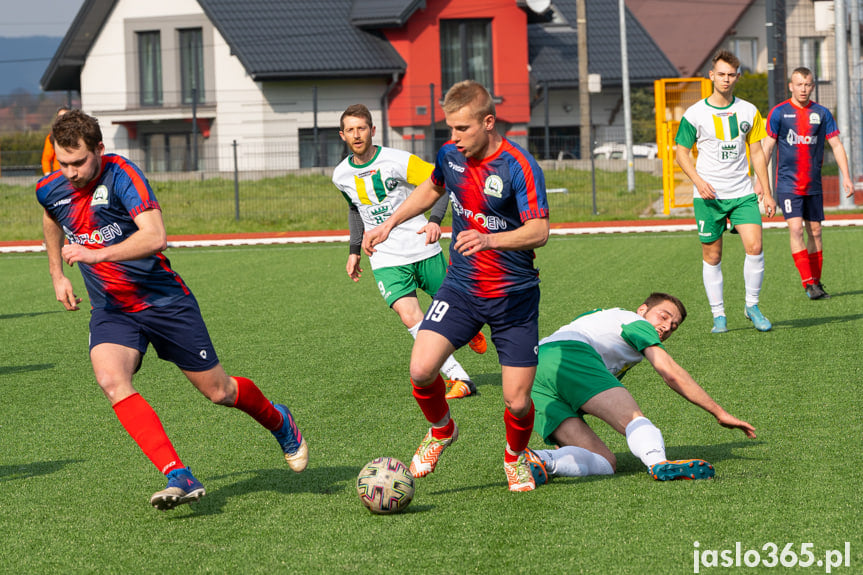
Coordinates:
[575,230]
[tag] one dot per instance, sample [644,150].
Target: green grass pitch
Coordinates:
[74,487]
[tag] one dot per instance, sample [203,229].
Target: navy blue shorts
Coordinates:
[513,319]
[177,333]
[810,208]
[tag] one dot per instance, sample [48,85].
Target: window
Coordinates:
[746,50]
[563,142]
[192,65]
[169,152]
[812,57]
[329,151]
[465,47]
[150,68]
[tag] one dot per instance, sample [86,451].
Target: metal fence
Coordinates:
[282,199]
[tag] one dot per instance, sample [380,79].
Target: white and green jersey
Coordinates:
[377,188]
[618,336]
[721,135]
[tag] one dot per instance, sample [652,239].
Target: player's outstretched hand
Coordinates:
[432,232]
[732,422]
[355,272]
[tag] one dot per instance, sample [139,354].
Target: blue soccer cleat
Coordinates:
[182,488]
[720,324]
[537,467]
[291,440]
[753,314]
[682,469]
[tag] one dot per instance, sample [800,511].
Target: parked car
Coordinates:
[616,151]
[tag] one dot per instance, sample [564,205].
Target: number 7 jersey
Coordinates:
[722,135]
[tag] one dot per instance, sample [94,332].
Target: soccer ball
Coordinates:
[385,485]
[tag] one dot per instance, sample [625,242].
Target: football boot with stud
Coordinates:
[291,440]
[182,488]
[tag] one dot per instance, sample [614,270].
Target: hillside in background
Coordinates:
[23,61]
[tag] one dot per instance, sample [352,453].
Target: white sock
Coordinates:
[572,461]
[451,368]
[413,330]
[645,441]
[753,277]
[712,276]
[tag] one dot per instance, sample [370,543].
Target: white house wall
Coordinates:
[240,107]
[564,111]
[105,74]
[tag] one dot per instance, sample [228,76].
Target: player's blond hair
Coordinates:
[469,93]
[801,71]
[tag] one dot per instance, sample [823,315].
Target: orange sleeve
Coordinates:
[48,160]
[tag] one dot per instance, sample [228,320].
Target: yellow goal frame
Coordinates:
[673,96]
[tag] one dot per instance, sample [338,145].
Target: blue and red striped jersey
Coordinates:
[493,195]
[101,215]
[800,134]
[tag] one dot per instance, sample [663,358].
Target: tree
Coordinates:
[643,106]
[753,88]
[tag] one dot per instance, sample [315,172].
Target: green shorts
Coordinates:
[568,375]
[396,282]
[711,215]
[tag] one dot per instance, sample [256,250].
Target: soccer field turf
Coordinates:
[74,487]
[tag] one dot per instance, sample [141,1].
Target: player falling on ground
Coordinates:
[375,181]
[580,367]
[104,206]
[801,127]
[722,125]
[500,215]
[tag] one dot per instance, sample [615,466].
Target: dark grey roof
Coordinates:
[553,48]
[273,39]
[279,39]
[64,70]
[288,39]
[384,13]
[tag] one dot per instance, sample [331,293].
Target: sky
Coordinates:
[37,17]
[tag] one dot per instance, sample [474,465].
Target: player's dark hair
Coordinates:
[727,57]
[469,93]
[355,111]
[74,126]
[802,70]
[658,297]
